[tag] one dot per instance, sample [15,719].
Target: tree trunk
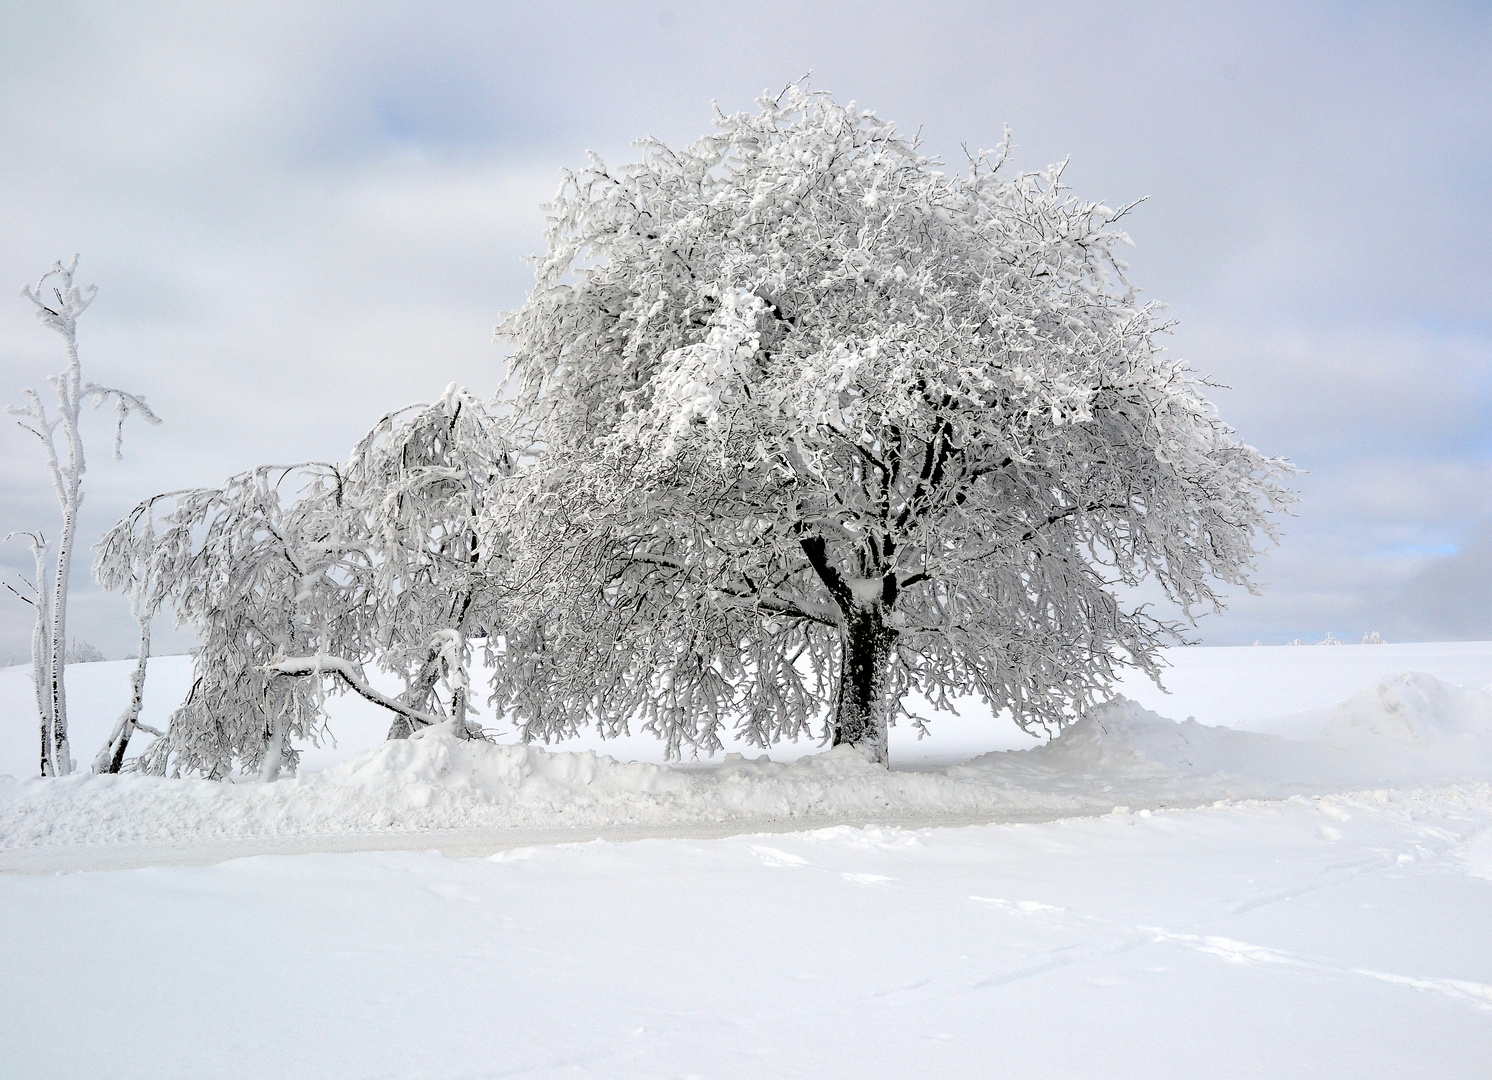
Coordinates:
[457,677]
[39,656]
[274,749]
[861,711]
[68,482]
[110,759]
[417,696]
[57,650]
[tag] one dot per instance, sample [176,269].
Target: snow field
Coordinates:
[1340,936]
[1317,909]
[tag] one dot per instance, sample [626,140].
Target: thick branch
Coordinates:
[335,665]
[766,601]
[816,549]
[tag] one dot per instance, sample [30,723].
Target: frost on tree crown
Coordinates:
[798,383]
[291,573]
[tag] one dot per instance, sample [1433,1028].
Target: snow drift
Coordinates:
[1407,727]
[1419,712]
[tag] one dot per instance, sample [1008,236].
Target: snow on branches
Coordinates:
[239,565]
[423,481]
[825,424]
[295,574]
[58,303]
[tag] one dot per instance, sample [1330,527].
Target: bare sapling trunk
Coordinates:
[70,496]
[59,306]
[861,707]
[68,481]
[40,655]
[40,666]
[110,757]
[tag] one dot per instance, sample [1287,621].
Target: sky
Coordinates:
[303,216]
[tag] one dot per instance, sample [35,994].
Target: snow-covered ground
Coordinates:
[1276,689]
[1303,892]
[1345,936]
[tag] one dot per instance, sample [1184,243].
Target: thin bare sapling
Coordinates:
[58,303]
[120,565]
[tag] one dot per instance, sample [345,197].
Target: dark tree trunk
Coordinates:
[417,696]
[111,758]
[861,710]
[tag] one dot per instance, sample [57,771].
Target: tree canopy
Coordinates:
[800,424]
[823,423]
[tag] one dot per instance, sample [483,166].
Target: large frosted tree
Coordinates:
[825,423]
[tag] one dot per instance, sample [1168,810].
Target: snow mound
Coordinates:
[436,781]
[1407,728]
[1122,748]
[434,758]
[1123,735]
[1418,712]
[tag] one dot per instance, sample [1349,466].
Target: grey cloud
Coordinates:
[1451,597]
[302,216]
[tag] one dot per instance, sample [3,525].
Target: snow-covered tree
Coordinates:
[421,482]
[238,564]
[58,303]
[296,576]
[82,652]
[825,423]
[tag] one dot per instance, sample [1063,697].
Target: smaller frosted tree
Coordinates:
[421,482]
[293,576]
[58,303]
[239,565]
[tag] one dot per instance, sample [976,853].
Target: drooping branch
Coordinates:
[348,673]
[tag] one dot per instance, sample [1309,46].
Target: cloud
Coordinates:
[302,216]
[1451,596]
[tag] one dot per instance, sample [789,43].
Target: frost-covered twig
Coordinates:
[58,307]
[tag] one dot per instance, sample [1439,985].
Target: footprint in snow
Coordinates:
[777,857]
[1016,907]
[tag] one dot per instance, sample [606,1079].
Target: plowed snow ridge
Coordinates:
[1408,729]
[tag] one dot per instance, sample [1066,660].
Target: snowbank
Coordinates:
[1449,724]
[1408,727]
